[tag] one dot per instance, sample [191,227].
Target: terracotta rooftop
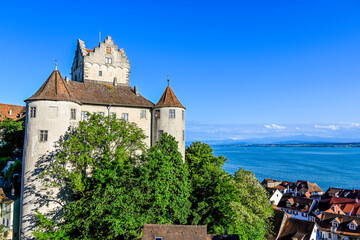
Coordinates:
[296,229]
[88,92]
[326,219]
[54,88]
[175,232]
[300,204]
[14,112]
[169,99]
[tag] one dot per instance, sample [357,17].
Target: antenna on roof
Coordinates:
[99,37]
[56,64]
[168,80]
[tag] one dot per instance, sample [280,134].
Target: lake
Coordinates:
[328,167]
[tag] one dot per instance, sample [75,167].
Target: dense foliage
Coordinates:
[11,138]
[117,185]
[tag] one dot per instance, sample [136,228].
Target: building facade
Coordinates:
[100,84]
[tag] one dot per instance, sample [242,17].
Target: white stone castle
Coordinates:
[99,84]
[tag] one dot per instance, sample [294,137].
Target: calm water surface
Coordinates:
[328,167]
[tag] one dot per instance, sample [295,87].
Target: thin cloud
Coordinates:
[332,127]
[274,126]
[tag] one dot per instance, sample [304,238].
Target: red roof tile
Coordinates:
[14,112]
[54,88]
[169,99]
[88,92]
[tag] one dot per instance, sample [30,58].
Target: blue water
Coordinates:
[328,167]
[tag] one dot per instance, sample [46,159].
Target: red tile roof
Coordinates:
[88,92]
[174,232]
[169,99]
[54,88]
[14,112]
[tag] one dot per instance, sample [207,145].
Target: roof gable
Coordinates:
[169,99]
[54,88]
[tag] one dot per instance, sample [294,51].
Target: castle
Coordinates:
[99,84]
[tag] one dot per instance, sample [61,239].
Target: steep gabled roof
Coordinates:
[14,112]
[169,99]
[54,88]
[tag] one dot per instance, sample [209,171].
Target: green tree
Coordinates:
[166,180]
[223,202]
[96,163]
[11,138]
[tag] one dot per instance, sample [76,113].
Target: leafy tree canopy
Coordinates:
[11,138]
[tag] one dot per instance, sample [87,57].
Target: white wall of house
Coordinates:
[275,197]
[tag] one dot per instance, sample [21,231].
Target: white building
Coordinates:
[100,84]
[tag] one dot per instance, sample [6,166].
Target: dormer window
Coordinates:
[352,226]
[108,60]
[10,112]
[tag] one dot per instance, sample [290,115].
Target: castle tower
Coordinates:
[50,112]
[169,117]
[105,63]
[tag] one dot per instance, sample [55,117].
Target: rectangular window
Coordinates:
[101,113]
[108,50]
[108,60]
[158,238]
[171,113]
[32,112]
[157,113]
[112,114]
[84,115]
[183,135]
[125,116]
[183,114]
[73,114]
[160,134]
[43,135]
[143,114]
[100,73]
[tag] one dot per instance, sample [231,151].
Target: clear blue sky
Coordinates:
[230,62]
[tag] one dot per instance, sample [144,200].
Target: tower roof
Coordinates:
[54,88]
[169,99]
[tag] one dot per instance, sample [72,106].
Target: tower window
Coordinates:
[108,50]
[43,135]
[157,113]
[183,114]
[108,60]
[84,115]
[100,73]
[171,113]
[125,116]
[160,133]
[32,112]
[73,114]
[183,135]
[143,114]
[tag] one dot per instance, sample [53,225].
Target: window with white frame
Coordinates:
[32,112]
[108,60]
[125,116]
[73,114]
[43,137]
[352,226]
[171,113]
[84,115]
[143,114]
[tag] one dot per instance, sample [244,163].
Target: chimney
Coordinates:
[67,79]
[136,90]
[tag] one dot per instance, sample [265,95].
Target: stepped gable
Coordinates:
[169,99]
[10,111]
[92,92]
[54,88]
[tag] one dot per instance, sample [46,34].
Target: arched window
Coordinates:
[115,81]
